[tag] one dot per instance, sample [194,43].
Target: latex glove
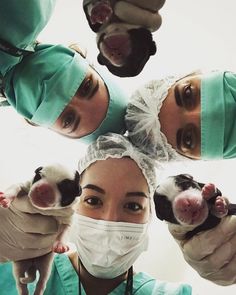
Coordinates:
[140,12]
[25,235]
[212,253]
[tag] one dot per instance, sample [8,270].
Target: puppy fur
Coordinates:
[52,191]
[190,206]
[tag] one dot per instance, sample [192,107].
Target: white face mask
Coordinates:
[108,249]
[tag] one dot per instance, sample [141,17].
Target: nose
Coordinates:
[111,213]
[193,116]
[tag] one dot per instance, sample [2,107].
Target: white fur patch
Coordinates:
[169,188]
[56,173]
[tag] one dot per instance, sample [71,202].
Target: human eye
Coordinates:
[188,137]
[86,87]
[133,206]
[68,119]
[93,201]
[188,96]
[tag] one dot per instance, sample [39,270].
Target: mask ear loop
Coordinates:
[129,281]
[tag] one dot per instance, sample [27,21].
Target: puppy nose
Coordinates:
[43,195]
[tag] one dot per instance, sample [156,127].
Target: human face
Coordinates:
[86,110]
[114,190]
[180,116]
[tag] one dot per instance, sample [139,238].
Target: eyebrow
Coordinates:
[102,191]
[76,124]
[136,194]
[94,187]
[179,138]
[95,89]
[177,96]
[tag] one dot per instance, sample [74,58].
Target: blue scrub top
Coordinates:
[21,23]
[64,281]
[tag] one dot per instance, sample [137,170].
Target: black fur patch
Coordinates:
[69,189]
[163,208]
[38,175]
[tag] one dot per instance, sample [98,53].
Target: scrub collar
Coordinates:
[218,115]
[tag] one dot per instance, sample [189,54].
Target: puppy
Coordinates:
[189,205]
[124,36]
[52,192]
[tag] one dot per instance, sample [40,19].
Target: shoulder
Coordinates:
[146,283]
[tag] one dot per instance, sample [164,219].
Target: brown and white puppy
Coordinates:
[52,192]
[124,32]
[190,205]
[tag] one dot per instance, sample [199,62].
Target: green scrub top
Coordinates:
[64,281]
[21,23]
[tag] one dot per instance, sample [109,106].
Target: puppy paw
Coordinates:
[208,191]
[59,247]
[101,13]
[5,201]
[220,208]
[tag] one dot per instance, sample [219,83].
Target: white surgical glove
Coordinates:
[211,253]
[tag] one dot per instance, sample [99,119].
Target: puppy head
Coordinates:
[166,193]
[54,187]
[142,47]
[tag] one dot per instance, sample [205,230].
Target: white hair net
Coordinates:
[112,145]
[142,121]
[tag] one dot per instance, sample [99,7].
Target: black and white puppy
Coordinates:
[52,191]
[124,45]
[194,206]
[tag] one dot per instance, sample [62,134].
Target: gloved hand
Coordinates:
[24,235]
[140,12]
[211,253]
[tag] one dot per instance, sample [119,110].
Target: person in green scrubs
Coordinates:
[51,85]
[110,227]
[180,118]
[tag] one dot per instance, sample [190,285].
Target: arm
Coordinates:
[212,253]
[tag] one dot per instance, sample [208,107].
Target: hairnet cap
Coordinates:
[113,145]
[44,82]
[115,116]
[142,121]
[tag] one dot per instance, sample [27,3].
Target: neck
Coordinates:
[98,286]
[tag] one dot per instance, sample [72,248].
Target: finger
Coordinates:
[206,243]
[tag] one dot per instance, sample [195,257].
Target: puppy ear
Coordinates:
[153,48]
[101,59]
[158,205]
[163,208]
[77,176]
[38,170]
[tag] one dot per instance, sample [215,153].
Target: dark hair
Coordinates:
[143,47]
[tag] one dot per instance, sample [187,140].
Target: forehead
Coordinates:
[122,171]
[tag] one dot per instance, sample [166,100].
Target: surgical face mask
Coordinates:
[108,249]
[218,113]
